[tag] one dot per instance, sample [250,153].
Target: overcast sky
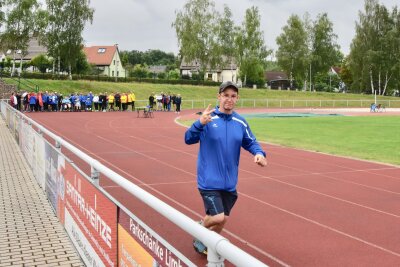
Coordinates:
[146,24]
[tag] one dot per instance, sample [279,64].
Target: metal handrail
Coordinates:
[25,82]
[218,246]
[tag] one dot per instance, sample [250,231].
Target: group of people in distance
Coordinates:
[45,101]
[164,102]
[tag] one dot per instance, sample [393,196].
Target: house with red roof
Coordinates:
[106,59]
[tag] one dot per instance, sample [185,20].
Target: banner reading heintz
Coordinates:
[138,247]
[90,220]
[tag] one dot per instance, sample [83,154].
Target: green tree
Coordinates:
[52,36]
[292,53]
[81,65]
[41,62]
[161,75]
[173,74]
[250,48]
[132,57]
[6,63]
[195,28]
[67,21]
[21,23]
[140,71]
[150,57]
[158,57]
[225,40]
[345,73]
[2,16]
[375,49]
[325,50]
[326,81]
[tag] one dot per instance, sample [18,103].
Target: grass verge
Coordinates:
[370,138]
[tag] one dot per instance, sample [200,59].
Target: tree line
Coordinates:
[307,48]
[59,28]
[214,41]
[373,64]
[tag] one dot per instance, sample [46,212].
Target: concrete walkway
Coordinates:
[30,233]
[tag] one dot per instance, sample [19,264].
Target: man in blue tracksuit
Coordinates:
[221,133]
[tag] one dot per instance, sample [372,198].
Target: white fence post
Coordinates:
[95,175]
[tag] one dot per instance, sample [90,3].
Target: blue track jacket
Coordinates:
[220,143]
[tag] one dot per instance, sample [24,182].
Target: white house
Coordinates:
[106,59]
[228,72]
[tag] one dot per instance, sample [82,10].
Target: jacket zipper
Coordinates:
[226,152]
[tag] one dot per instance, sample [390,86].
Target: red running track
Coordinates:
[303,209]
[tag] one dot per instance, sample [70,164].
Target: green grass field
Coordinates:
[143,90]
[370,138]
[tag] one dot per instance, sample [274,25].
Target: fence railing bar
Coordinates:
[217,244]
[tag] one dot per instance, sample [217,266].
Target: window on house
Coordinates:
[209,76]
[112,73]
[101,50]
[114,62]
[117,73]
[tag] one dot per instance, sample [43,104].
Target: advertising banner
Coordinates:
[8,117]
[61,190]
[139,247]
[11,120]
[27,142]
[3,108]
[94,217]
[17,127]
[52,173]
[81,243]
[39,159]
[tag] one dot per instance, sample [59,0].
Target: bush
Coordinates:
[51,76]
[161,75]
[173,74]
[185,77]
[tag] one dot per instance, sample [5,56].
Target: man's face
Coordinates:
[227,100]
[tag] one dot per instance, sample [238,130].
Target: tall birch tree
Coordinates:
[75,15]
[374,55]
[196,27]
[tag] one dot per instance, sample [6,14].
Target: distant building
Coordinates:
[228,72]
[277,80]
[157,69]
[34,50]
[106,59]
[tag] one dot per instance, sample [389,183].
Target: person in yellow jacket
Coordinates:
[124,101]
[131,100]
[111,99]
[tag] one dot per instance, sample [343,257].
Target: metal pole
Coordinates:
[310,78]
